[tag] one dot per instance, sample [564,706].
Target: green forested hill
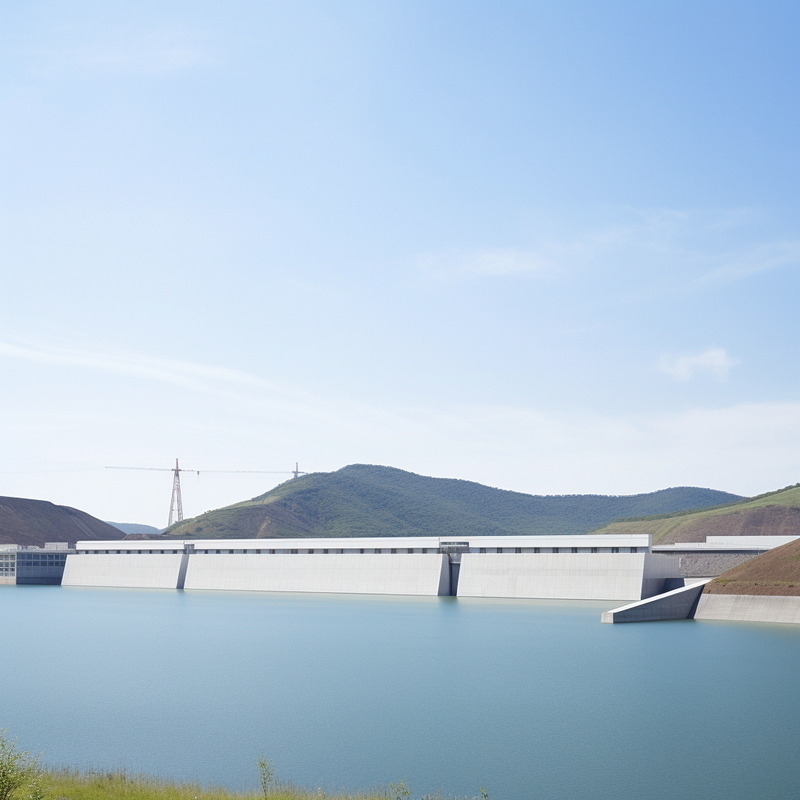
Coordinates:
[771,514]
[364,500]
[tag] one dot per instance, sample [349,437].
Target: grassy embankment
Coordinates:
[70,784]
[23,776]
[774,573]
[774,513]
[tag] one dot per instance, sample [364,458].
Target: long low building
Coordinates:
[591,567]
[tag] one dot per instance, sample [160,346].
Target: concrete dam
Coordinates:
[585,567]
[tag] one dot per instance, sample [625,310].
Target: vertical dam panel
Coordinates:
[576,576]
[123,570]
[367,573]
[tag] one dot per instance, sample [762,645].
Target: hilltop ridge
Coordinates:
[370,500]
[771,514]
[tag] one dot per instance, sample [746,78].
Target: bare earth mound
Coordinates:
[776,572]
[763,521]
[34,522]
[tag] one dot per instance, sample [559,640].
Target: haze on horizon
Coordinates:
[547,247]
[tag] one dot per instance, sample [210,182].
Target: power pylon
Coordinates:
[176,503]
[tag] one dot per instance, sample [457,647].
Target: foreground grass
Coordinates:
[70,784]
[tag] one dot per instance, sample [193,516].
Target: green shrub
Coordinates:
[18,769]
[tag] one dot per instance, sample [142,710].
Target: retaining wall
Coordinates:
[706,565]
[748,608]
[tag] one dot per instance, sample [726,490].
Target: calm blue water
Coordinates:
[531,699]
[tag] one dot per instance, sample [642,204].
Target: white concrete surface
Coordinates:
[129,570]
[576,576]
[405,574]
[752,541]
[749,608]
[583,543]
[724,544]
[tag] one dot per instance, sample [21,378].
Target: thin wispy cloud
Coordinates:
[185,374]
[714,361]
[760,258]
[650,254]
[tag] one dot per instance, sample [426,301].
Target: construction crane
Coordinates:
[176,504]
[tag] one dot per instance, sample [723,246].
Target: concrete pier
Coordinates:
[676,604]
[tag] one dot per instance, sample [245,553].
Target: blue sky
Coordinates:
[550,247]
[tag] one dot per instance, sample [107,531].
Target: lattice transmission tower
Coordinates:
[176,502]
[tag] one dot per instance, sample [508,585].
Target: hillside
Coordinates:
[34,522]
[771,514]
[776,572]
[364,500]
[135,528]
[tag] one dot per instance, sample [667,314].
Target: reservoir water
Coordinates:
[530,699]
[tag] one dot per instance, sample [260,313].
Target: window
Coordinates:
[574,549]
[594,550]
[615,549]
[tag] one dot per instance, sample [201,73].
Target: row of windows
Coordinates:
[37,559]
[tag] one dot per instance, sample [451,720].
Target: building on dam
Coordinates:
[21,564]
[588,567]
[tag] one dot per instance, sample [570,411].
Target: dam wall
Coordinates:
[566,567]
[575,576]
